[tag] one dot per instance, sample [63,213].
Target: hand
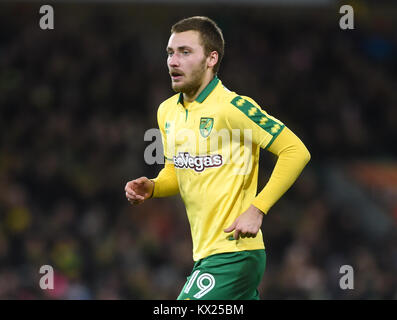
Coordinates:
[247,224]
[138,190]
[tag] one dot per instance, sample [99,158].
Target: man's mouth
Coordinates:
[176,75]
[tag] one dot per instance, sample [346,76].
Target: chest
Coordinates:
[201,124]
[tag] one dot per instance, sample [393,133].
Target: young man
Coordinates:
[218,182]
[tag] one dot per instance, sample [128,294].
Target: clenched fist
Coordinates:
[138,190]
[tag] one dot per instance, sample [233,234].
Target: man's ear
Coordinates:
[212,59]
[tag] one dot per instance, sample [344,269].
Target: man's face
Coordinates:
[186,61]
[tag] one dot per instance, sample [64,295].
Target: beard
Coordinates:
[193,84]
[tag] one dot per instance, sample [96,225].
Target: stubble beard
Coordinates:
[194,84]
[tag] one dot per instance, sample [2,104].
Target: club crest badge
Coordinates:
[206,125]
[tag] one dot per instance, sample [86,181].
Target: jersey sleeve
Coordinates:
[292,158]
[166,183]
[163,130]
[245,113]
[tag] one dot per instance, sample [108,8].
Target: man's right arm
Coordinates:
[166,183]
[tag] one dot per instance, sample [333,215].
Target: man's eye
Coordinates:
[186,52]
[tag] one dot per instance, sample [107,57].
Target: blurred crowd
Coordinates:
[76,101]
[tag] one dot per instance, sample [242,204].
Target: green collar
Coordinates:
[205,93]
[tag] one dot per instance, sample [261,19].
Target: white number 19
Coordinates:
[204,288]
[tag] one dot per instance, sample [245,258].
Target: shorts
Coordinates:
[226,276]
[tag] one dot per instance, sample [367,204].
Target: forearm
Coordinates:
[292,158]
[166,183]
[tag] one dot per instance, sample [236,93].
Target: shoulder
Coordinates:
[171,101]
[167,105]
[242,102]
[247,105]
[240,107]
[230,99]
[233,102]
[225,98]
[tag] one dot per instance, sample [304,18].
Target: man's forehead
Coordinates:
[189,38]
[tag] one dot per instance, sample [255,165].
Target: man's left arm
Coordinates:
[271,134]
[292,158]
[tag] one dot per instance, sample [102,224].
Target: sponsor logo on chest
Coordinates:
[198,163]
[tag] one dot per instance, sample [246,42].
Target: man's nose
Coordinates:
[173,61]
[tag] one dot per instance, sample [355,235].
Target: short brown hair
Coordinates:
[211,35]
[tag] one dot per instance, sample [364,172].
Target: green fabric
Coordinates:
[203,94]
[226,276]
[256,115]
[207,90]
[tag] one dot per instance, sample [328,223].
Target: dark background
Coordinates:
[76,101]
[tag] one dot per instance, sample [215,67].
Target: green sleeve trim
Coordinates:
[256,115]
[274,137]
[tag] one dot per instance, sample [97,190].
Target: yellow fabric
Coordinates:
[217,181]
[292,158]
[166,184]
[186,104]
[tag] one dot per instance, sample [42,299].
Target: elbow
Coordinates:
[306,156]
[302,154]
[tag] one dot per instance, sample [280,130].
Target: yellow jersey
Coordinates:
[214,144]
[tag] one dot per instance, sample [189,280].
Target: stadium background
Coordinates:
[76,101]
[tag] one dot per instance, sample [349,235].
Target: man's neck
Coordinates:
[191,96]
